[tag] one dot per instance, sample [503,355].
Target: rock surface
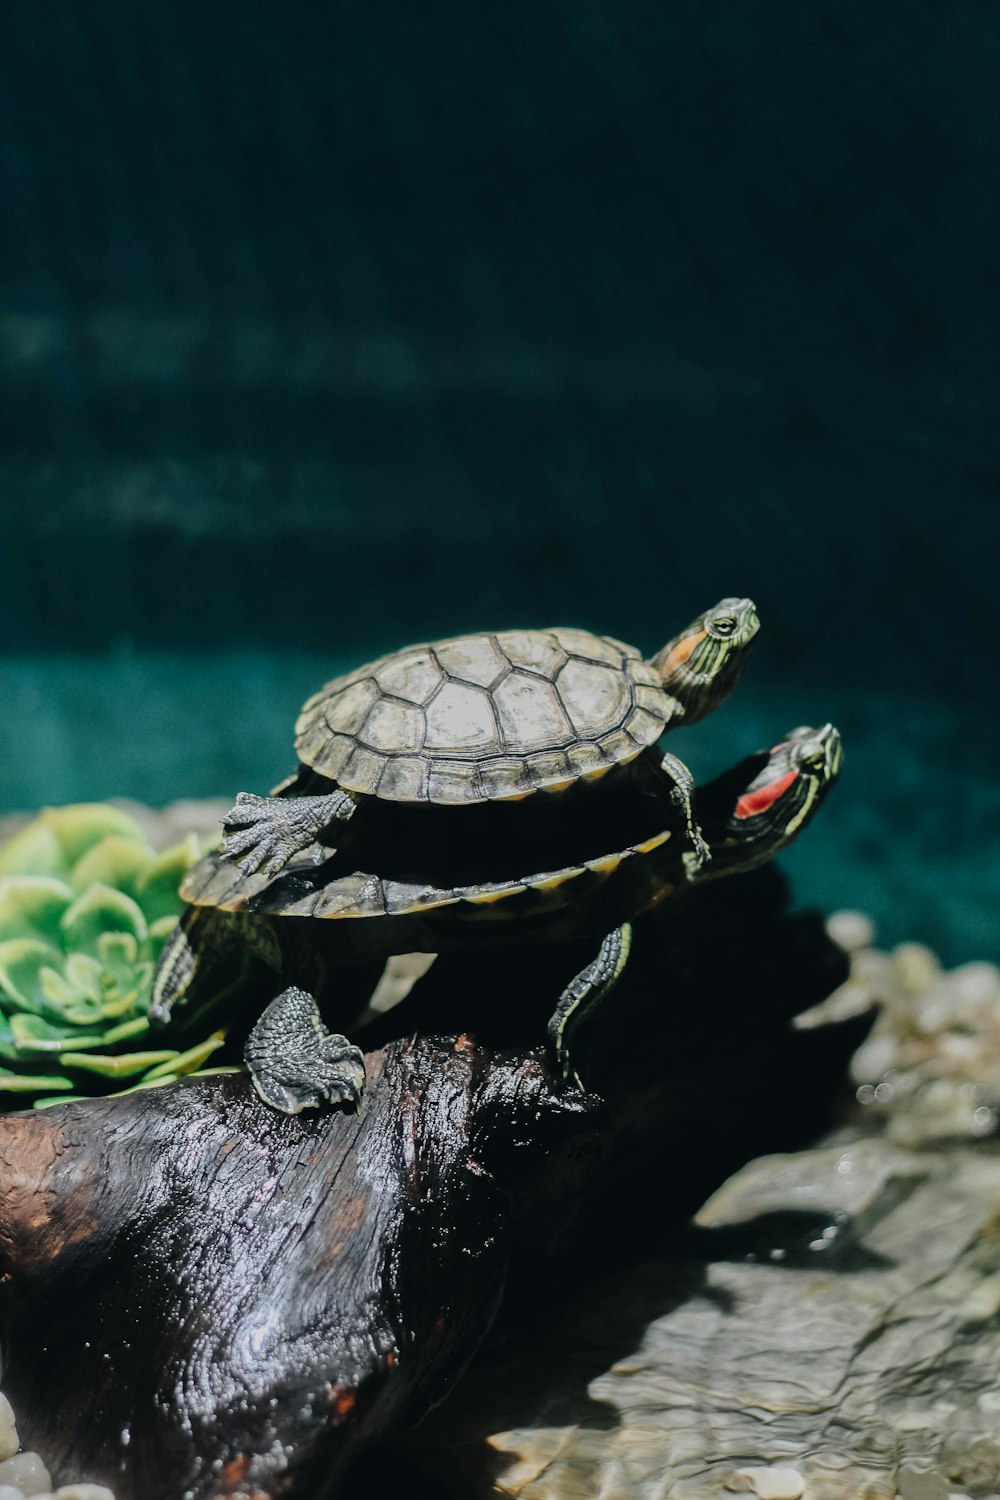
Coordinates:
[829,1327]
[814,1326]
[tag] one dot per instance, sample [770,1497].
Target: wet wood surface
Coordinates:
[203,1299]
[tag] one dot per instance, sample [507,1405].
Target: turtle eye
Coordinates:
[813,760]
[723,625]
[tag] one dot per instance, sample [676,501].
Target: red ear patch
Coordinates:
[680,653]
[760,800]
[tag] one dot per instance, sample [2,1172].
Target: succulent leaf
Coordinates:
[138,1026]
[124,1065]
[58,993]
[22,962]
[84,973]
[118,950]
[189,1061]
[8,1047]
[156,887]
[34,1034]
[32,906]
[81,825]
[86,905]
[33,851]
[115,861]
[25,1083]
[99,910]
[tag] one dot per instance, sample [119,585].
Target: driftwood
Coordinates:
[204,1299]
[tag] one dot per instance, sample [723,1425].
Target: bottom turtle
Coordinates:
[310,923]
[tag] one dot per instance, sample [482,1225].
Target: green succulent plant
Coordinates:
[86,904]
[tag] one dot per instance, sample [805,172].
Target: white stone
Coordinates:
[11,1492]
[874,1058]
[84,1492]
[963,1052]
[915,967]
[976,982]
[27,1472]
[9,1441]
[769,1484]
[851,930]
[876,971]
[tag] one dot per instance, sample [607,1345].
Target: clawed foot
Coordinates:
[296,1063]
[271,830]
[699,855]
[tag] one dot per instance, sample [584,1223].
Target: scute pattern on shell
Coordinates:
[484,717]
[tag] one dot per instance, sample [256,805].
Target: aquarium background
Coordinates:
[328,327]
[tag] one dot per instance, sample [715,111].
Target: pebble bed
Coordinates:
[837,1331]
[929,1072]
[23,1476]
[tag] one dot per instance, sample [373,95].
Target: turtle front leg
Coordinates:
[270,830]
[584,993]
[671,778]
[296,1063]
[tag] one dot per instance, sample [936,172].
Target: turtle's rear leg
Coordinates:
[270,830]
[296,1063]
[584,993]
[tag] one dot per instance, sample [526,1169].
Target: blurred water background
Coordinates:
[325,328]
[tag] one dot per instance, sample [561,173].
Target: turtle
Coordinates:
[314,921]
[492,717]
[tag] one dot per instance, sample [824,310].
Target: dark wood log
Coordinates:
[203,1298]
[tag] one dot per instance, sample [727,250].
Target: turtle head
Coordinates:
[752,812]
[702,664]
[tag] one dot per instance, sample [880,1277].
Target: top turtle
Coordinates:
[492,717]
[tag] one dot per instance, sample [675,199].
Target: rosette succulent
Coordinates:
[86,904]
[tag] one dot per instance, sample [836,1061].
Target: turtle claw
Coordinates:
[245,810]
[269,831]
[263,850]
[682,793]
[296,1063]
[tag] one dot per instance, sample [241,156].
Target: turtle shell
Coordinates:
[307,893]
[484,717]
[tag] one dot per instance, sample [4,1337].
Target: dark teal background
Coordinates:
[328,327]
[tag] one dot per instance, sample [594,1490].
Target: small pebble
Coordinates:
[27,1473]
[11,1492]
[920,1484]
[960,1050]
[875,970]
[976,983]
[768,1484]
[851,930]
[9,1441]
[874,1058]
[916,966]
[82,1492]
